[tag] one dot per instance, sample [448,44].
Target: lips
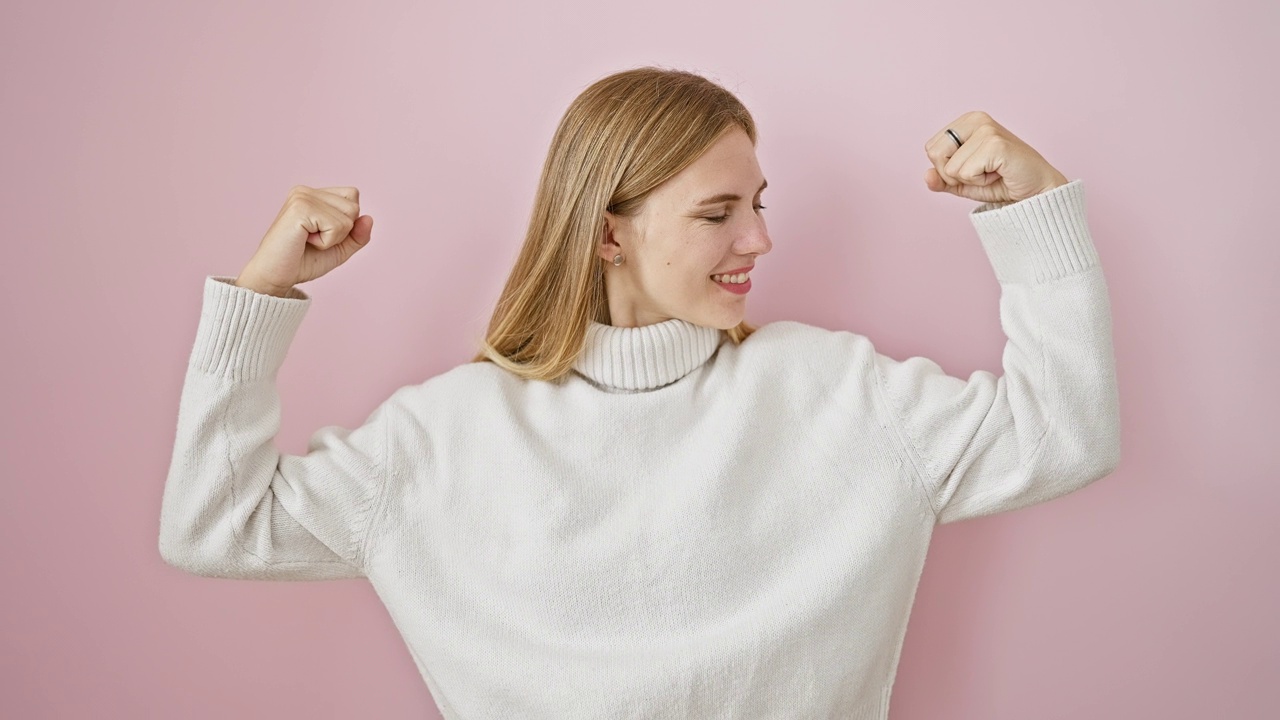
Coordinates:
[736,288]
[735,271]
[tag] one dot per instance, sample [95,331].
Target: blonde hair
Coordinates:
[620,138]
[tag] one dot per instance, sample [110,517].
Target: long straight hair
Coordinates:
[622,137]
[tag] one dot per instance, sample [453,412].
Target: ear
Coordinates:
[606,245]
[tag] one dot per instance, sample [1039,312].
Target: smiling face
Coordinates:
[703,221]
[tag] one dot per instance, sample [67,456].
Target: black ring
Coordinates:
[954,137]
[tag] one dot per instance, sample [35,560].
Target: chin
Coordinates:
[720,321]
[715,313]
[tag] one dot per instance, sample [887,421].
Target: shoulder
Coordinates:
[791,354]
[468,382]
[792,337]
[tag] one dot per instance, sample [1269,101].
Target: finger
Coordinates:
[359,237]
[987,160]
[966,126]
[941,147]
[359,232]
[952,165]
[938,154]
[345,191]
[345,199]
[934,181]
[936,184]
[974,160]
[331,225]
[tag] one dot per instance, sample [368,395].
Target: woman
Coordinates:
[632,503]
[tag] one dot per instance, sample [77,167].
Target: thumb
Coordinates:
[989,188]
[356,239]
[934,181]
[361,232]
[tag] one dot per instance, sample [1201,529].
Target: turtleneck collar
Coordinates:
[645,358]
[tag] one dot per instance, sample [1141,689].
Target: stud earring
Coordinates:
[617,259]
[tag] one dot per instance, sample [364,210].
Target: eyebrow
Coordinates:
[728,196]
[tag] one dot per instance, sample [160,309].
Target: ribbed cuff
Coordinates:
[243,334]
[1037,239]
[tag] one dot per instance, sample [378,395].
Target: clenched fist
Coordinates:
[317,230]
[990,164]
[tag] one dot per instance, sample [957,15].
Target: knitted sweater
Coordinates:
[683,527]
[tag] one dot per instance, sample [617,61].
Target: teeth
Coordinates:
[733,279]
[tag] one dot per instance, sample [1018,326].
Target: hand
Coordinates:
[993,164]
[316,230]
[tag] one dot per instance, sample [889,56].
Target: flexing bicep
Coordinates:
[1048,424]
[233,505]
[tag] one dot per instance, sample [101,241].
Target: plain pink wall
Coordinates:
[147,144]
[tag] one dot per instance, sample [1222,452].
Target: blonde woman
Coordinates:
[632,503]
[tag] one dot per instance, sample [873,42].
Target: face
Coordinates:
[704,221]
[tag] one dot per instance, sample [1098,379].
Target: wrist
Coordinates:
[1055,181]
[247,280]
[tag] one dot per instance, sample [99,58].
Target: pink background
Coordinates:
[147,144]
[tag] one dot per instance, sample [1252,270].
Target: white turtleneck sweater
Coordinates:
[683,528]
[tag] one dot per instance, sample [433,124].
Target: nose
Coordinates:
[756,242]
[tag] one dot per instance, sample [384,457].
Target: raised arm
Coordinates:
[1050,424]
[233,505]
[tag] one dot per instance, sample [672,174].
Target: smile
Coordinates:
[738,284]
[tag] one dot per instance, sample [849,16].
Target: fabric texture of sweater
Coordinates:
[682,528]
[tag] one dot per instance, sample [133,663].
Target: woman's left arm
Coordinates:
[1050,424]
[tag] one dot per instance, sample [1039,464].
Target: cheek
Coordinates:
[690,262]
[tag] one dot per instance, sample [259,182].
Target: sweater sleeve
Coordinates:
[1050,423]
[233,505]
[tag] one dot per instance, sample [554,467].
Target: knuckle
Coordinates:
[346,192]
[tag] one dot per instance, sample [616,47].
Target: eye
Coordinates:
[721,218]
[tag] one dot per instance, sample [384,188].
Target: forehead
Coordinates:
[729,165]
